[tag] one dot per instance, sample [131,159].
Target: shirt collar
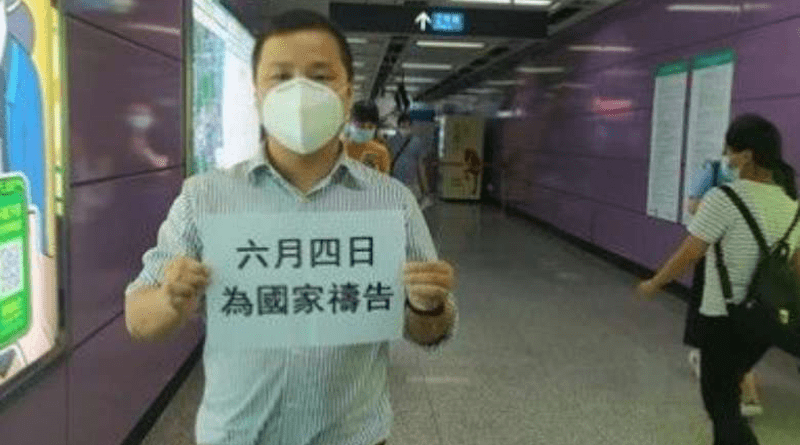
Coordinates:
[344,169]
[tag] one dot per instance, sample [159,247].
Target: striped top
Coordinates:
[293,396]
[719,219]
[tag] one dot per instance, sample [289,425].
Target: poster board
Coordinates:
[461,157]
[32,176]
[666,141]
[709,112]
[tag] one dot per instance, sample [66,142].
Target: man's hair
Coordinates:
[366,111]
[301,20]
[404,119]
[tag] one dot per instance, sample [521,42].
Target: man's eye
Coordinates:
[322,78]
[281,76]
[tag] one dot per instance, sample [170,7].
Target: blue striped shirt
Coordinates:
[291,396]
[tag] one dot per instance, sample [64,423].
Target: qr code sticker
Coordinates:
[10,268]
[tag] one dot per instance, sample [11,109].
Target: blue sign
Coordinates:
[450,22]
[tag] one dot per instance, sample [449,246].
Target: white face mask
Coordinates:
[729,172]
[303,115]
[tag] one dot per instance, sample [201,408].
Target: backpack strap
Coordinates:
[724,278]
[762,243]
[715,169]
[791,227]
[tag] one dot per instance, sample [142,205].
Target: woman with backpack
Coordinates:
[713,174]
[765,187]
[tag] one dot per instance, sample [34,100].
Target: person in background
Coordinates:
[766,185]
[712,174]
[361,142]
[408,159]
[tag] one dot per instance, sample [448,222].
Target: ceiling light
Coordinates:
[357,40]
[482,90]
[533,2]
[505,2]
[539,70]
[360,78]
[599,48]
[703,8]
[408,88]
[427,66]
[449,44]
[504,83]
[358,64]
[416,79]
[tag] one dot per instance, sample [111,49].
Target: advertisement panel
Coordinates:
[31,183]
[461,157]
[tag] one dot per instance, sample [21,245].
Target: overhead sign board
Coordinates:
[391,19]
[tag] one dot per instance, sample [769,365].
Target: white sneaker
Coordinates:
[751,409]
[694,361]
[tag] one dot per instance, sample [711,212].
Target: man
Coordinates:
[22,146]
[408,158]
[361,141]
[303,75]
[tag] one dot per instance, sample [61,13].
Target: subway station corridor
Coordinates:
[553,349]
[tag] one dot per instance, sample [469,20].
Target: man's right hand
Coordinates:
[184,282]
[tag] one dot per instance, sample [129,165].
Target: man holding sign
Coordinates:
[309,263]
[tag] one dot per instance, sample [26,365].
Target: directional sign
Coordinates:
[423,19]
[391,19]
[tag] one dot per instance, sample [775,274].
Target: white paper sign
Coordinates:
[304,279]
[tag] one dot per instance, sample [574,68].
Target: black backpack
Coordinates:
[770,313]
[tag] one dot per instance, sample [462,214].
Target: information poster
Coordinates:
[31,183]
[304,279]
[666,141]
[709,112]
[461,157]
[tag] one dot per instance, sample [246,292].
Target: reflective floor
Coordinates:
[553,349]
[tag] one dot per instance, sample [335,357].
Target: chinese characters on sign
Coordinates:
[304,279]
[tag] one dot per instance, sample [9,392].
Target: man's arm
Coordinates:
[149,316]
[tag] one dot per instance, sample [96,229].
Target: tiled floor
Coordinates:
[553,350]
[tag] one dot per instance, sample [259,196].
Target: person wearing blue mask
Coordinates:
[714,173]
[360,136]
[337,395]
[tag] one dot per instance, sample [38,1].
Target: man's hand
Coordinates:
[429,283]
[647,289]
[184,281]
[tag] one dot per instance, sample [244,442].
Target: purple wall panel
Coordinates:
[776,46]
[129,211]
[156,24]
[109,80]
[624,136]
[112,372]
[618,182]
[39,416]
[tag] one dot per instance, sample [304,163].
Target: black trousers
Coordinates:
[691,333]
[726,356]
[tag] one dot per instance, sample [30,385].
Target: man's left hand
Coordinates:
[429,283]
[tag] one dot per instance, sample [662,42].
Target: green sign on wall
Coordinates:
[15,282]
